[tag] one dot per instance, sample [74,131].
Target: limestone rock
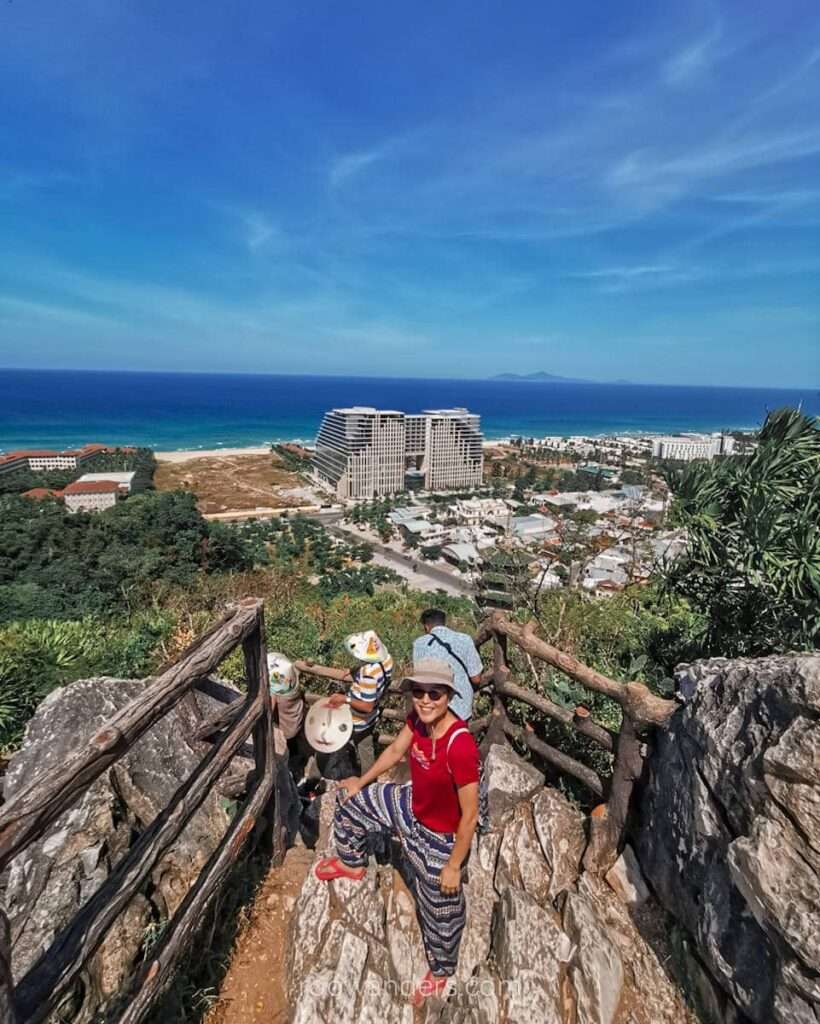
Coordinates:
[519,962]
[618,972]
[597,972]
[626,880]
[527,942]
[560,830]
[730,828]
[521,862]
[48,882]
[509,780]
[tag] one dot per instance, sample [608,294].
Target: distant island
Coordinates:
[541,377]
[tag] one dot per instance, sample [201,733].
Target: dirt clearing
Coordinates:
[231,482]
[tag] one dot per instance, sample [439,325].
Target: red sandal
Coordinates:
[329,868]
[430,985]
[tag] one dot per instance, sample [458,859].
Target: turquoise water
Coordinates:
[166,410]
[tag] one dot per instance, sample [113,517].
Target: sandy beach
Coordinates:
[210,453]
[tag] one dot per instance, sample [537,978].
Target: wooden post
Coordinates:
[608,822]
[495,732]
[265,757]
[7,1014]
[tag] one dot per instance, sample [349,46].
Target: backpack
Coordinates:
[483,825]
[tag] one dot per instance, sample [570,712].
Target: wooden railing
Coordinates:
[35,807]
[642,711]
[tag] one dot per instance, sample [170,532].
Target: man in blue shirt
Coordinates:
[455,648]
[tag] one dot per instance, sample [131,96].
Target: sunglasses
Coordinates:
[419,693]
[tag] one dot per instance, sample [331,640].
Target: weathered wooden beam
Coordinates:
[265,756]
[7,1011]
[30,811]
[391,714]
[41,988]
[219,720]
[563,762]
[340,675]
[608,825]
[216,691]
[581,723]
[158,972]
[637,700]
[495,730]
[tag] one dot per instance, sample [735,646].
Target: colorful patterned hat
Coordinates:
[366,646]
[282,674]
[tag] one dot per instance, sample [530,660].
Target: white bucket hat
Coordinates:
[281,674]
[366,646]
[328,729]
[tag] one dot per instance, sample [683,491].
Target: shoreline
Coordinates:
[188,454]
[264,447]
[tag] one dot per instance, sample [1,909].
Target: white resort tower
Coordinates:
[364,452]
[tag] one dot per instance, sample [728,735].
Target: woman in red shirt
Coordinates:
[434,816]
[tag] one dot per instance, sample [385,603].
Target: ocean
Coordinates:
[167,411]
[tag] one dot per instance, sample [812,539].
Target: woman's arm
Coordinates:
[385,761]
[451,872]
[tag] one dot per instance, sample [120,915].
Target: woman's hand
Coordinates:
[450,881]
[351,787]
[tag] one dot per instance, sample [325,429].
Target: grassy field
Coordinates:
[231,482]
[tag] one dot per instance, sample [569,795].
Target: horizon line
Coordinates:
[559,381]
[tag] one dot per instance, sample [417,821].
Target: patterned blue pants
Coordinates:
[388,807]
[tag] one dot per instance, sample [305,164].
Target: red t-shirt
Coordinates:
[435,792]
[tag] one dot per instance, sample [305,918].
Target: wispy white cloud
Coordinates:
[695,60]
[350,165]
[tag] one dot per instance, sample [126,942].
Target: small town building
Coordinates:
[461,554]
[40,494]
[534,527]
[421,529]
[125,480]
[91,495]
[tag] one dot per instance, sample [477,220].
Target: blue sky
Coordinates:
[609,190]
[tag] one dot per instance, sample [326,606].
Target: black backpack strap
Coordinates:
[449,650]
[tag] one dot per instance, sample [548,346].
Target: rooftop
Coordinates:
[92,487]
[122,478]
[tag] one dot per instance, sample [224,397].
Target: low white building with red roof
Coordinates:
[91,495]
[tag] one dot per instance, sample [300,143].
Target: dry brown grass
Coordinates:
[230,482]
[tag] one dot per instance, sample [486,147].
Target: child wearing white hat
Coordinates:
[288,706]
[368,685]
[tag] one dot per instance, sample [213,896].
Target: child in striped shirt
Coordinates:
[368,685]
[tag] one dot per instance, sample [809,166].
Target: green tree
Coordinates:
[752,563]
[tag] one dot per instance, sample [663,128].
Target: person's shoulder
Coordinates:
[462,748]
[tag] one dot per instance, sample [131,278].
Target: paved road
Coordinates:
[425,577]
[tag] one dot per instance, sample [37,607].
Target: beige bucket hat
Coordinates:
[429,672]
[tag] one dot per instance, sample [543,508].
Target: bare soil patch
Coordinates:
[231,482]
[253,991]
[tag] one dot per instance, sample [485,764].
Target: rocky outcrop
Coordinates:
[48,882]
[730,836]
[542,943]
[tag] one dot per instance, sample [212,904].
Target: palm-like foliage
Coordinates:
[753,559]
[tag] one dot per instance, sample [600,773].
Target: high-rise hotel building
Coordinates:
[364,452]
